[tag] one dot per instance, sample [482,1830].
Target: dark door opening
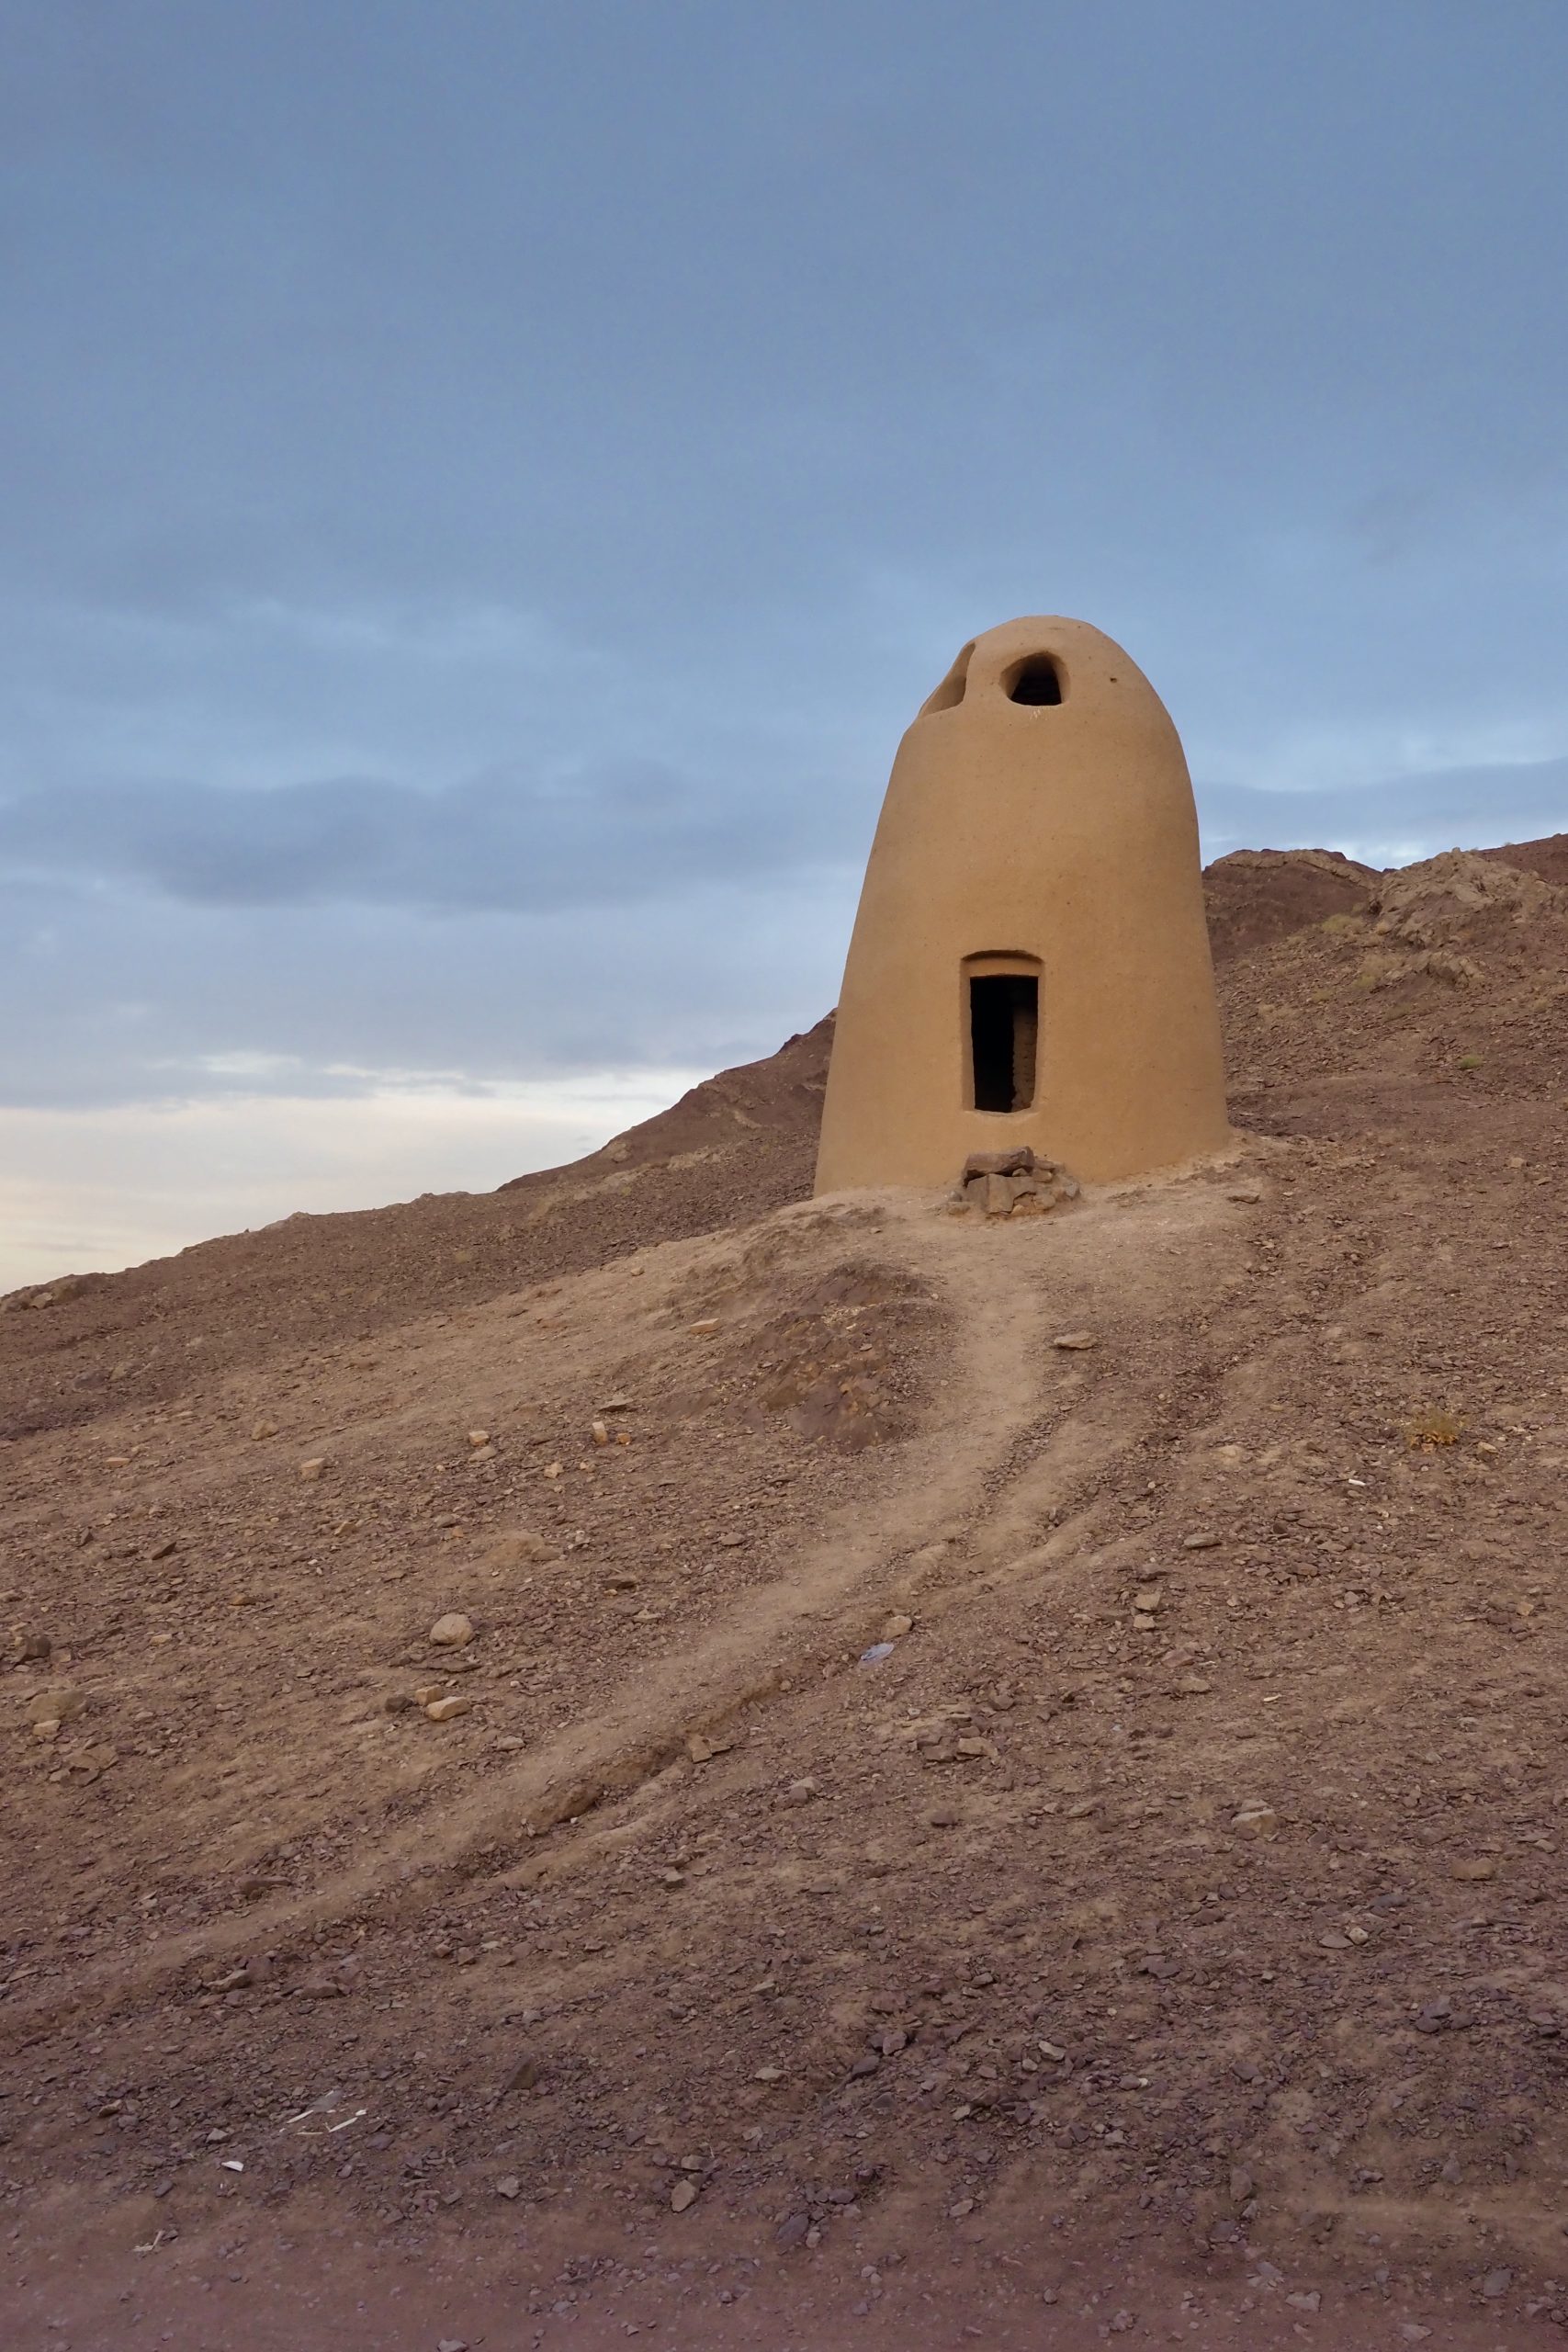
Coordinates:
[1004,1027]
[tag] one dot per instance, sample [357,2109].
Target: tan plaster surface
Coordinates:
[1064,833]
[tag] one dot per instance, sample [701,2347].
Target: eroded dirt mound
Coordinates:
[731,1149]
[778,1099]
[1548,858]
[1453,897]
[1256,896]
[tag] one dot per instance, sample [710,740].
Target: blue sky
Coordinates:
[487,485]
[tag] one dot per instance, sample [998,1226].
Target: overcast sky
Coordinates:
[486,485]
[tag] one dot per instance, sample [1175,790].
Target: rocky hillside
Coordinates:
[667,1757]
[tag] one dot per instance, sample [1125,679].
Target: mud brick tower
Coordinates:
[1029,963]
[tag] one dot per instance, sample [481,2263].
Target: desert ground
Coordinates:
[643,1756]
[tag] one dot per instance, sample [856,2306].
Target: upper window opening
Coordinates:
[950,693]
[1035,681]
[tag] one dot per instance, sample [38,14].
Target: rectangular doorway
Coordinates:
[1004,1035]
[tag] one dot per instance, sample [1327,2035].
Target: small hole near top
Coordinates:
[1036,681]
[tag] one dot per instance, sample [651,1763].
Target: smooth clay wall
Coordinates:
[1047,840]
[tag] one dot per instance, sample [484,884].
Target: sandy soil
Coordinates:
[1163,1939]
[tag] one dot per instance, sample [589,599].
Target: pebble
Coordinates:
[441,1710]
[600,1433]
[508,2186]
[479,1437]
[1075,1341]
[791,2232]
[1256,1821]
[896,1627]
[60,1705]
[704,1324]
[702,1750]
[1203,1539]
[452,1631]
[1481,1868]
[260,1429]
[521,1548]
[684,2193]
[313,1469]
[1496,2283]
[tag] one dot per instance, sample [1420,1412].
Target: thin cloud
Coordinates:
[621,832]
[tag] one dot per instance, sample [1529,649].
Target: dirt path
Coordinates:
[1003,1446]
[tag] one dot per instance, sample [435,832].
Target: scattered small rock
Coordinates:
[896,1627]
[1202,1539]
[60,1705]
[452,1631]
[262,1429]
[521,1548]
[1074,1342]
[1012,1183]
[442,1710]
[683,2194]
[316,1468]
[1256,1821]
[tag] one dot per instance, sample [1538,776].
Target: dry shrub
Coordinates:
[1431,1427]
